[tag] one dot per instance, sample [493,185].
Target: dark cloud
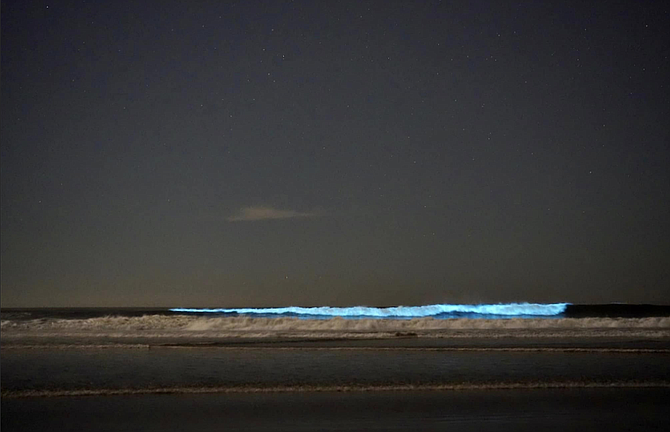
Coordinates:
[259,213]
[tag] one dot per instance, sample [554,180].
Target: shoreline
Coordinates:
[656,341]
[348,388]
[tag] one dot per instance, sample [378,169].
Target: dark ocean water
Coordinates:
[613,310]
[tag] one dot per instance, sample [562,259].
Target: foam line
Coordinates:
[507,310]
[335,388]
[233,347]
[161,325]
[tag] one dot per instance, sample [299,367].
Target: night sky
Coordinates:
[267,153]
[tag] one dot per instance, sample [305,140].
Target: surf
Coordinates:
[434,310]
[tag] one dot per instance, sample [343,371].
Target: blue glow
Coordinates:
[503,310]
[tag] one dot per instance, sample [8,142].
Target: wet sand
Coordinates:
[467,410]
[501,384]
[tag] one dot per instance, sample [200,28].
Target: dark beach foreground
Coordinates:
[163,372]
[462,410]
[335,386]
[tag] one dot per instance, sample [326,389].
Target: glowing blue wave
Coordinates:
[506,310]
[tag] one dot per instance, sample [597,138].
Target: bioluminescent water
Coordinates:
[133,326]
[508,310]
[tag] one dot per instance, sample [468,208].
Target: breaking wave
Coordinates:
[453,321]
[436,310]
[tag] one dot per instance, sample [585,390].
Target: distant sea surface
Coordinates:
[441,311]
[506,366]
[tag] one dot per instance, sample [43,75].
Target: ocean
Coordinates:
[463,367]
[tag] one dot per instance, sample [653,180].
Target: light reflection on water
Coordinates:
[158,367]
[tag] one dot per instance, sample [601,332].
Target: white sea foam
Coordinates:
[266,327]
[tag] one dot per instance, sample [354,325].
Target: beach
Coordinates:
[139,371]
[386,385]
[465,410]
